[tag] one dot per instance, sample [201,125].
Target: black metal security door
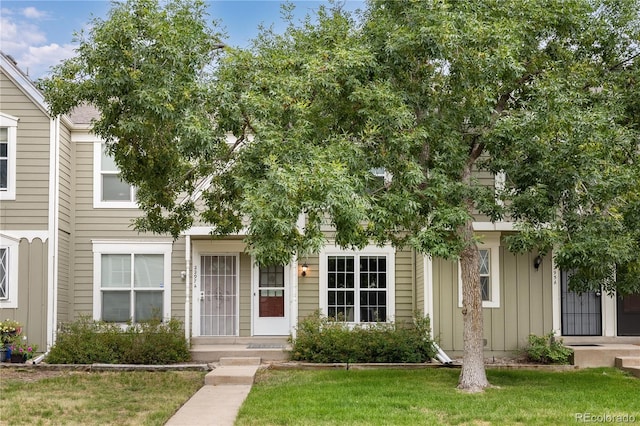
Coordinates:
[581,312]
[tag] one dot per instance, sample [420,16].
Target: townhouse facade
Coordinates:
[67,248]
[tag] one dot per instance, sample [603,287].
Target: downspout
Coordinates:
[52,275]
[428,290]
[187,283]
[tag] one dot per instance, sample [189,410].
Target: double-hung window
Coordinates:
[358,287]
[132,281]
[110,191]
[8,146]
[489,271]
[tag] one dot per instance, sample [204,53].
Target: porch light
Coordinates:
[537,262]
[305,267]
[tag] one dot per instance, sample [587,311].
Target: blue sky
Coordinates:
[39,34]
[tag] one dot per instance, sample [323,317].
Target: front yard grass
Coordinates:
[94,398]
[429,397]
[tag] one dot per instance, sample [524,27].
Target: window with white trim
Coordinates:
[109,190]
[8,273]
[132,281]
[8,146]
[489,271]
[4,273]
[358,287]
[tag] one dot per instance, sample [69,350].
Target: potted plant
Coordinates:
[9,329]
[21,350]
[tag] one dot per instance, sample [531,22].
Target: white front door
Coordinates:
[271,293]
[218,304]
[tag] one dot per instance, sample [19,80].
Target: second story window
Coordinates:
[4,158]
[110,191]
[8,147]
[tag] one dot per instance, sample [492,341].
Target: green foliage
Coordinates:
[433,92]
[86,341]
[318,339]
[547,349]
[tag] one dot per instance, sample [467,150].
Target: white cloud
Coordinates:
[33,13]
[27,43]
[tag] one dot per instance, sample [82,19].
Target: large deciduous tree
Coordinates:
[544,93]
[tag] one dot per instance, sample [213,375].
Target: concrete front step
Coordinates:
[601,355]
[628,361]
[232,375]
[213,353]
[255,360]
[237,340]
[630,364]
[600,340]
[211,349]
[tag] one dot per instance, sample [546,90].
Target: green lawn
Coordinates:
[429,397]
[85,398]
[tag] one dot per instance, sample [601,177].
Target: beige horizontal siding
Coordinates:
[30,208]
[65,177]
[308,288]
[64,277]
[405,278]
[419,267]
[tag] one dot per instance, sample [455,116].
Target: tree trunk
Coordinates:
[472,377]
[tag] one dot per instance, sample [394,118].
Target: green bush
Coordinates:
[547,350]
[86,341]
[320,340]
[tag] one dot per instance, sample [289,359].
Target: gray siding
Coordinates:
[29,211]
[525,304]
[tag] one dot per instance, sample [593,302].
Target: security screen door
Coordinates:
[219,295]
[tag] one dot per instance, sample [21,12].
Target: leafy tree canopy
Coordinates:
[545,91]
[433,93]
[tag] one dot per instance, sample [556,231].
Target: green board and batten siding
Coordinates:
[525,304]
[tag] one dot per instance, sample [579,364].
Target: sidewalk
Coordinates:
[211,405]
[218,401]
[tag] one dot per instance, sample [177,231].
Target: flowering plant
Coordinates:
[8,330]
[21,346]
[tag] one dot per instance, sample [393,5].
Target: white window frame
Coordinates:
[490,243]
[129,247]
[11,124]
[387,251]
[11,245]
[98,202]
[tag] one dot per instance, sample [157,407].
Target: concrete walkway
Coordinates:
[218,401]
[211,405]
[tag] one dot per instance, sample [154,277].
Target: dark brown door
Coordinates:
[629,315]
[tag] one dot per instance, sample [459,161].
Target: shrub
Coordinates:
[86,341]
[320,340]
[547,350]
